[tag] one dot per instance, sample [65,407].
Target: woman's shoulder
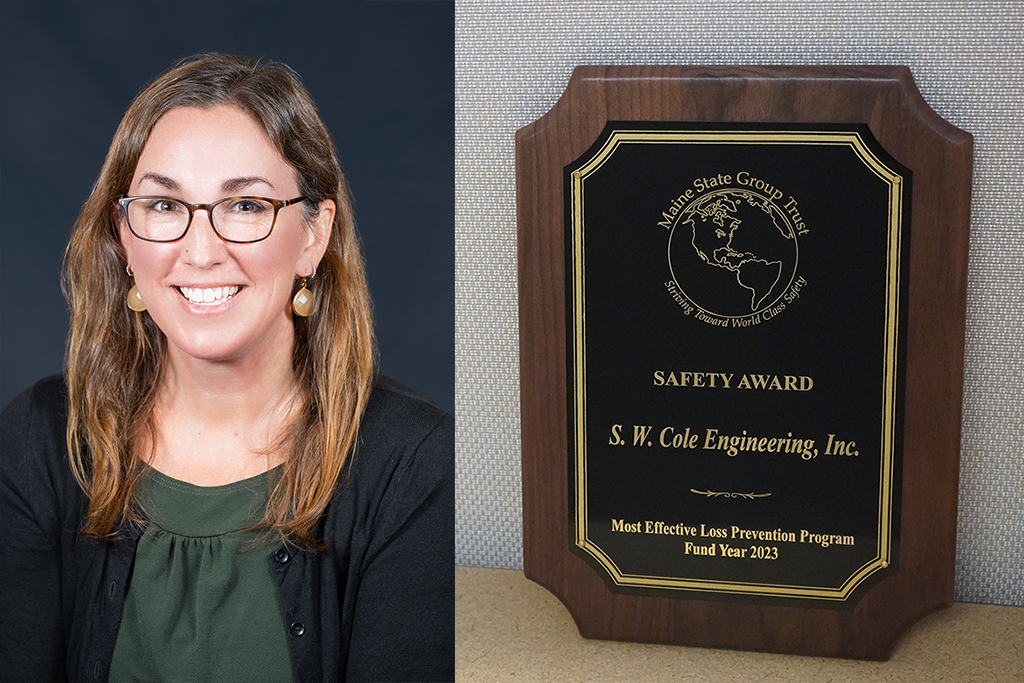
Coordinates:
[40,409]
[397,413]
[405,440]
[399,492]
[33,440]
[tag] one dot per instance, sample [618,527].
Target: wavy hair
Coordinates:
[115,356]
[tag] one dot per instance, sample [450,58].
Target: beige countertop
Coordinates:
[508,628]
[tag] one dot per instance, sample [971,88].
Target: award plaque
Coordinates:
[742,310]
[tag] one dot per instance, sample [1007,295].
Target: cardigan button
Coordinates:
[297,628]
[281,555]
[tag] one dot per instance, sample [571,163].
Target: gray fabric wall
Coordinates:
[513,60]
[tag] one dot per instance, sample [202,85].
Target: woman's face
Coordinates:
[201,156]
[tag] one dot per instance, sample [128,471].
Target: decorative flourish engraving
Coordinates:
[727,494]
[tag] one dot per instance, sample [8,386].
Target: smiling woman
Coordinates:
[221,487]
[184,258]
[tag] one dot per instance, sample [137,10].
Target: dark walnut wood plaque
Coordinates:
[742,301]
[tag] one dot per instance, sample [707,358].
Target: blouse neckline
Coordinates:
[189,510]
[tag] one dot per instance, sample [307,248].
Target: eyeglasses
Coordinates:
[241,220]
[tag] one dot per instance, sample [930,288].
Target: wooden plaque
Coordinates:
[742,305]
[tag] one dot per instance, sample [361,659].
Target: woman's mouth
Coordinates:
[208,297]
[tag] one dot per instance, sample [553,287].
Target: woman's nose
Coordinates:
[202,247]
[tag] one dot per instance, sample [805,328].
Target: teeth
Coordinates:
[208,296]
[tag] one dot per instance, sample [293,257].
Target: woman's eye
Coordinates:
[164,206]
[247,206]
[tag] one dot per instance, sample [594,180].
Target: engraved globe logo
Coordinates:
[733,253]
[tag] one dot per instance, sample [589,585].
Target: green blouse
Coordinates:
[202,601]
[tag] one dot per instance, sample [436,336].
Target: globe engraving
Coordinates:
[732,252]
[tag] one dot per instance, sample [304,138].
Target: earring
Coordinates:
[303,302]
[134,299]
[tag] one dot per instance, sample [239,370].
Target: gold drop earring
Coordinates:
[303,302]
[134,299]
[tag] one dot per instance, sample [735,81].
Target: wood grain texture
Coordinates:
[939,154]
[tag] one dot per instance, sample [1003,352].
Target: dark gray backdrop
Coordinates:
[382,73]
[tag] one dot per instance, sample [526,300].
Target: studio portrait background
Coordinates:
[382,76]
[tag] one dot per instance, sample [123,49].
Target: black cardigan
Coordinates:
[377,605]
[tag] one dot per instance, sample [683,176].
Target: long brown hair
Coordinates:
[115,356]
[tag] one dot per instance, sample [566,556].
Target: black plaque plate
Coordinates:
[736,297]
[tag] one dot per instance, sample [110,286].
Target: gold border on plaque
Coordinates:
[853,140]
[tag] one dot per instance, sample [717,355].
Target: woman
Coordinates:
[221,487]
